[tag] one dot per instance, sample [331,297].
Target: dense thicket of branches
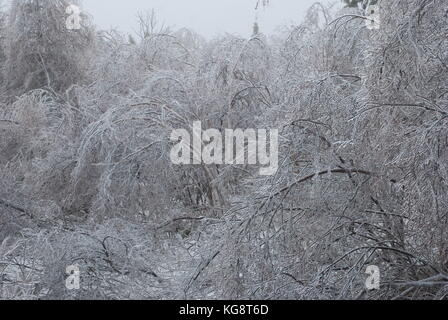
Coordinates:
[86,178]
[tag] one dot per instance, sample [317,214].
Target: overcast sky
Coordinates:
[207,17]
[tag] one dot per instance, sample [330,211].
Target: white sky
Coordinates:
[207,17]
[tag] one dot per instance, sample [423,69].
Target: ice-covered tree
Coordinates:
[40,50]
